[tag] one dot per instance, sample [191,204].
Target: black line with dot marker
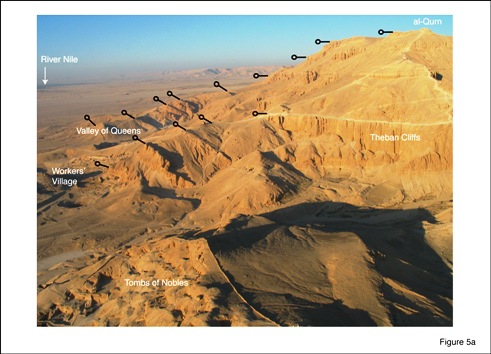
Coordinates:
[170,94]
[318,41]
[87,117]
[176,124]
[124,112]
[135,137]
[157,99]
[256,113]
[257,75]
[202,117]
[98,163]
[217,84]
[295,57]
[382,32]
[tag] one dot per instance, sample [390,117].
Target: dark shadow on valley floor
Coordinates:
[395,238]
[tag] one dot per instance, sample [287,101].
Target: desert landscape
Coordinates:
[320,195]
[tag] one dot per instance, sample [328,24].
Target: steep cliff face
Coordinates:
[377,110]
[357,143]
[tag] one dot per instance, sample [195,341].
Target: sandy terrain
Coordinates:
[294,217]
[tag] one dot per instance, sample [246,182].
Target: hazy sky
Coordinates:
[111,46]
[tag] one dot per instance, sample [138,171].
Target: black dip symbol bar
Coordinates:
[135,137]
[318,41]
[157,99]
[257,75]
[176,124]
[170,94]
[124,112]
[217,84]
[87,117]
[381,31]
[256,113]
[295,57]
[202,117]
[97,163]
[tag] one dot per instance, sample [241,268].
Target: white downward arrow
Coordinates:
[45,81]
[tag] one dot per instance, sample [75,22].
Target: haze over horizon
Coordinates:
[108,47]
